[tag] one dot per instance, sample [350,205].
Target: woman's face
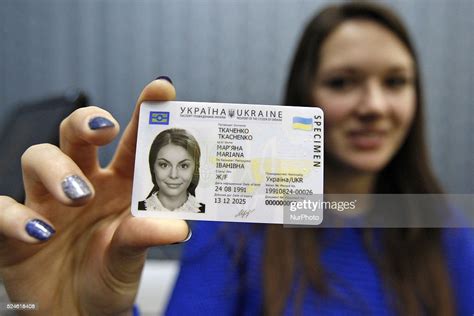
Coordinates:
[174,168]
[365,86]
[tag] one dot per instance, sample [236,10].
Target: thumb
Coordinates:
[133,237]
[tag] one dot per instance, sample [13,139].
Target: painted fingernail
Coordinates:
[190,234]
[38,229]
[75,188]
[188,237]
[165,78]
[100,122]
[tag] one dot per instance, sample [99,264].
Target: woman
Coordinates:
[97,254]
[174,168]
[357,63]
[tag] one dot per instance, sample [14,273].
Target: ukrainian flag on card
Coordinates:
[303,123]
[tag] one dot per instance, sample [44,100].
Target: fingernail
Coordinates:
[100,122]
[38,229]
[75,188]
[190,233]
[165,78]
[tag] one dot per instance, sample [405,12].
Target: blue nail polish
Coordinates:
[75,188]
[165,78]
[38,229]
[100,122]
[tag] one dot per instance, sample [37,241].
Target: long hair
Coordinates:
[178,137]
[411,261]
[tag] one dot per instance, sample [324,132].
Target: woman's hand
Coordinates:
[92,264]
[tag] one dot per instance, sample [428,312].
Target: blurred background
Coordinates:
[103,52]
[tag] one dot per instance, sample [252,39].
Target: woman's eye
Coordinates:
[163,165]
[340,83]
[396,82]
[184,166]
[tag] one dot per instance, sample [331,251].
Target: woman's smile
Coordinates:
[367,138]
[173,185]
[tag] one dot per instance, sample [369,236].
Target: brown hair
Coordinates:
[411,261]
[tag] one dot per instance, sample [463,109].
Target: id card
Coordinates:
[226,162]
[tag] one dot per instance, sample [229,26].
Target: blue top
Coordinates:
[211,282]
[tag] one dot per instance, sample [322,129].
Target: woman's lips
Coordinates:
[366,139]
[173,185]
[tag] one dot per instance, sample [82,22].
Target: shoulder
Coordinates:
[218,237]
[459,244]
[213,257]
[458,241]
[459,249]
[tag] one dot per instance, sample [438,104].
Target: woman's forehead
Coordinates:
[172,151]
[364,45]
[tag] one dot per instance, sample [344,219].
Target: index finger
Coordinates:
[160,89]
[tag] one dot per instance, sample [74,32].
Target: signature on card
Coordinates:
[244,213]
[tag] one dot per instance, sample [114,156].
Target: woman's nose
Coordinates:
[173,173]
[373,101]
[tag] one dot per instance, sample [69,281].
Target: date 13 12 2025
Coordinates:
[226,200]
